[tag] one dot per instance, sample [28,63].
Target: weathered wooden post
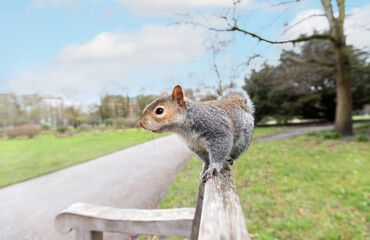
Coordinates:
[219,214]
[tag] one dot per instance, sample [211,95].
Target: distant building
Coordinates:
[30,108]
[8,109]
[133,108]
[52,111]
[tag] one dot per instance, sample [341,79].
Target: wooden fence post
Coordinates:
[222,216]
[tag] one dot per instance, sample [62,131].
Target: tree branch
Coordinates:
[236,71]
[216,50]
[300,39]
[286,2]
[341,7]
[309,60]
[302,20]
[328,11]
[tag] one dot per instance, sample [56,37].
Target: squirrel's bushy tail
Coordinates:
[245,99]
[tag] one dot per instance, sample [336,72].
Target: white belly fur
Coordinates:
[193,141]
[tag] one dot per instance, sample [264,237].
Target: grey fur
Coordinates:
[247,100]
[217,131]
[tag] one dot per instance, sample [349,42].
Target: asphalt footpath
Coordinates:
[137,177]
[294,131]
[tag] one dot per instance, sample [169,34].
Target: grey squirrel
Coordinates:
[217,131]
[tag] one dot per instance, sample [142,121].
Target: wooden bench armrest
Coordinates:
[93,218]
[219,214]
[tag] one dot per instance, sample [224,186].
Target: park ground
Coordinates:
[22,159]
[308,187]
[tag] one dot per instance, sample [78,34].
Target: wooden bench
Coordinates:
[218,215]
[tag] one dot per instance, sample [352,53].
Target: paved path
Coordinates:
[136,177]
[293,132]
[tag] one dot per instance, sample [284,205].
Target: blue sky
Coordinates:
[83,49]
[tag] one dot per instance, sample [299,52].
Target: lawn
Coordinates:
[301,188]
[363,117]
[22,159]
[267,131]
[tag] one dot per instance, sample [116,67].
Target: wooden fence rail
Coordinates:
[218,215]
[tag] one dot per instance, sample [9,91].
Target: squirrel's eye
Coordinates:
[159,111]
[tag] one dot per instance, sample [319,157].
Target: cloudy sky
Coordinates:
[86,48]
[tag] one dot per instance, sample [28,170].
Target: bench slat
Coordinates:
[88,217]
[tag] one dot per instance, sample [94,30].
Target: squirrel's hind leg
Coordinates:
[204,168]
[240,144]
[220,149]
[204,156]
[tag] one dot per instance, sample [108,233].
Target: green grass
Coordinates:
[362,129]
[184,190]
[360,132]
[301,188]
[361,117]
[267,131]
[22,159]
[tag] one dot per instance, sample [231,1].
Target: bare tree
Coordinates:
[74,115]
[223,84]
[215,48]
[335,34]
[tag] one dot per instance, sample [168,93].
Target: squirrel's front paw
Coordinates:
[212,170]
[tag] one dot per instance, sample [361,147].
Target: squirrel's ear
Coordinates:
[178,95]
[164,94]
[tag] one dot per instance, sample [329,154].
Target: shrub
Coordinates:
[119,123]
[326,134]
[108,122]
[11,132]
[361,138]
[130,122]
[312,134]
[330,135]
[29,130]
[365,126]
[45,127]
[85,127]
[62,129]
[102,128]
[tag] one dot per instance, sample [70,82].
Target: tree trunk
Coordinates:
[343,117]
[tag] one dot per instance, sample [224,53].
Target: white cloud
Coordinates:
[148,7]
[172,7]
[69,4]
[354,26]
[308,26]
[115,61]
[175,9]
[152,44]
[107,13]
